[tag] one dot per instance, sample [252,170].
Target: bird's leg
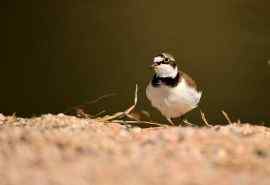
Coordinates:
[181,121]
[170,121]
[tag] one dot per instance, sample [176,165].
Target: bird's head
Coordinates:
[164,66]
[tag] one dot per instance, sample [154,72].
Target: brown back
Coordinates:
[189,80]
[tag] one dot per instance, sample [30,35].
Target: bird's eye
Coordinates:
[166,60]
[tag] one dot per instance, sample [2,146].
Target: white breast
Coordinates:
[173,101]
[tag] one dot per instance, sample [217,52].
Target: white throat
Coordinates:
[166,71]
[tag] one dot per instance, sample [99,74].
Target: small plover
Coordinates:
[171,91]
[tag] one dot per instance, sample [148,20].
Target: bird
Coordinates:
[171,91]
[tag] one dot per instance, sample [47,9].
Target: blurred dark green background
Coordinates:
[58,54]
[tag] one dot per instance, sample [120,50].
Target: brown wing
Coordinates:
[189,80]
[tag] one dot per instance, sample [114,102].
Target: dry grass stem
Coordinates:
[100,98]
[188,123]
[78,107]
[126,113]
[226,117]
[139,122]
[99,113]
[205,120]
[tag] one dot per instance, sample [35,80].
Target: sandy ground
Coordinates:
[65,150]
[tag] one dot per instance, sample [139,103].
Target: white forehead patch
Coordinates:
[164,71]
[158,59]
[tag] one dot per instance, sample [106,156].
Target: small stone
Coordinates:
[136,130]
[60,115]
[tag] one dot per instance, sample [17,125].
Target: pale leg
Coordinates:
[170,121]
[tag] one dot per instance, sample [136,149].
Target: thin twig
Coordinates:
[135,101]
[226,117]
[99,98]
[125,113]
[138,122]
[205,120]
[188,123]
[99,113]
[111,117]
[132,117]
[90,102]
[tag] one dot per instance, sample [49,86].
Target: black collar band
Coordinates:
[172,82]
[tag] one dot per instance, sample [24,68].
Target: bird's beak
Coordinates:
[153,66]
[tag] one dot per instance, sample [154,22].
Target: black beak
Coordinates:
[153,65]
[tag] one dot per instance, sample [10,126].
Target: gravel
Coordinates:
[61,149]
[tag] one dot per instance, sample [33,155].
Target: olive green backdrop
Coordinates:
[57,54]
